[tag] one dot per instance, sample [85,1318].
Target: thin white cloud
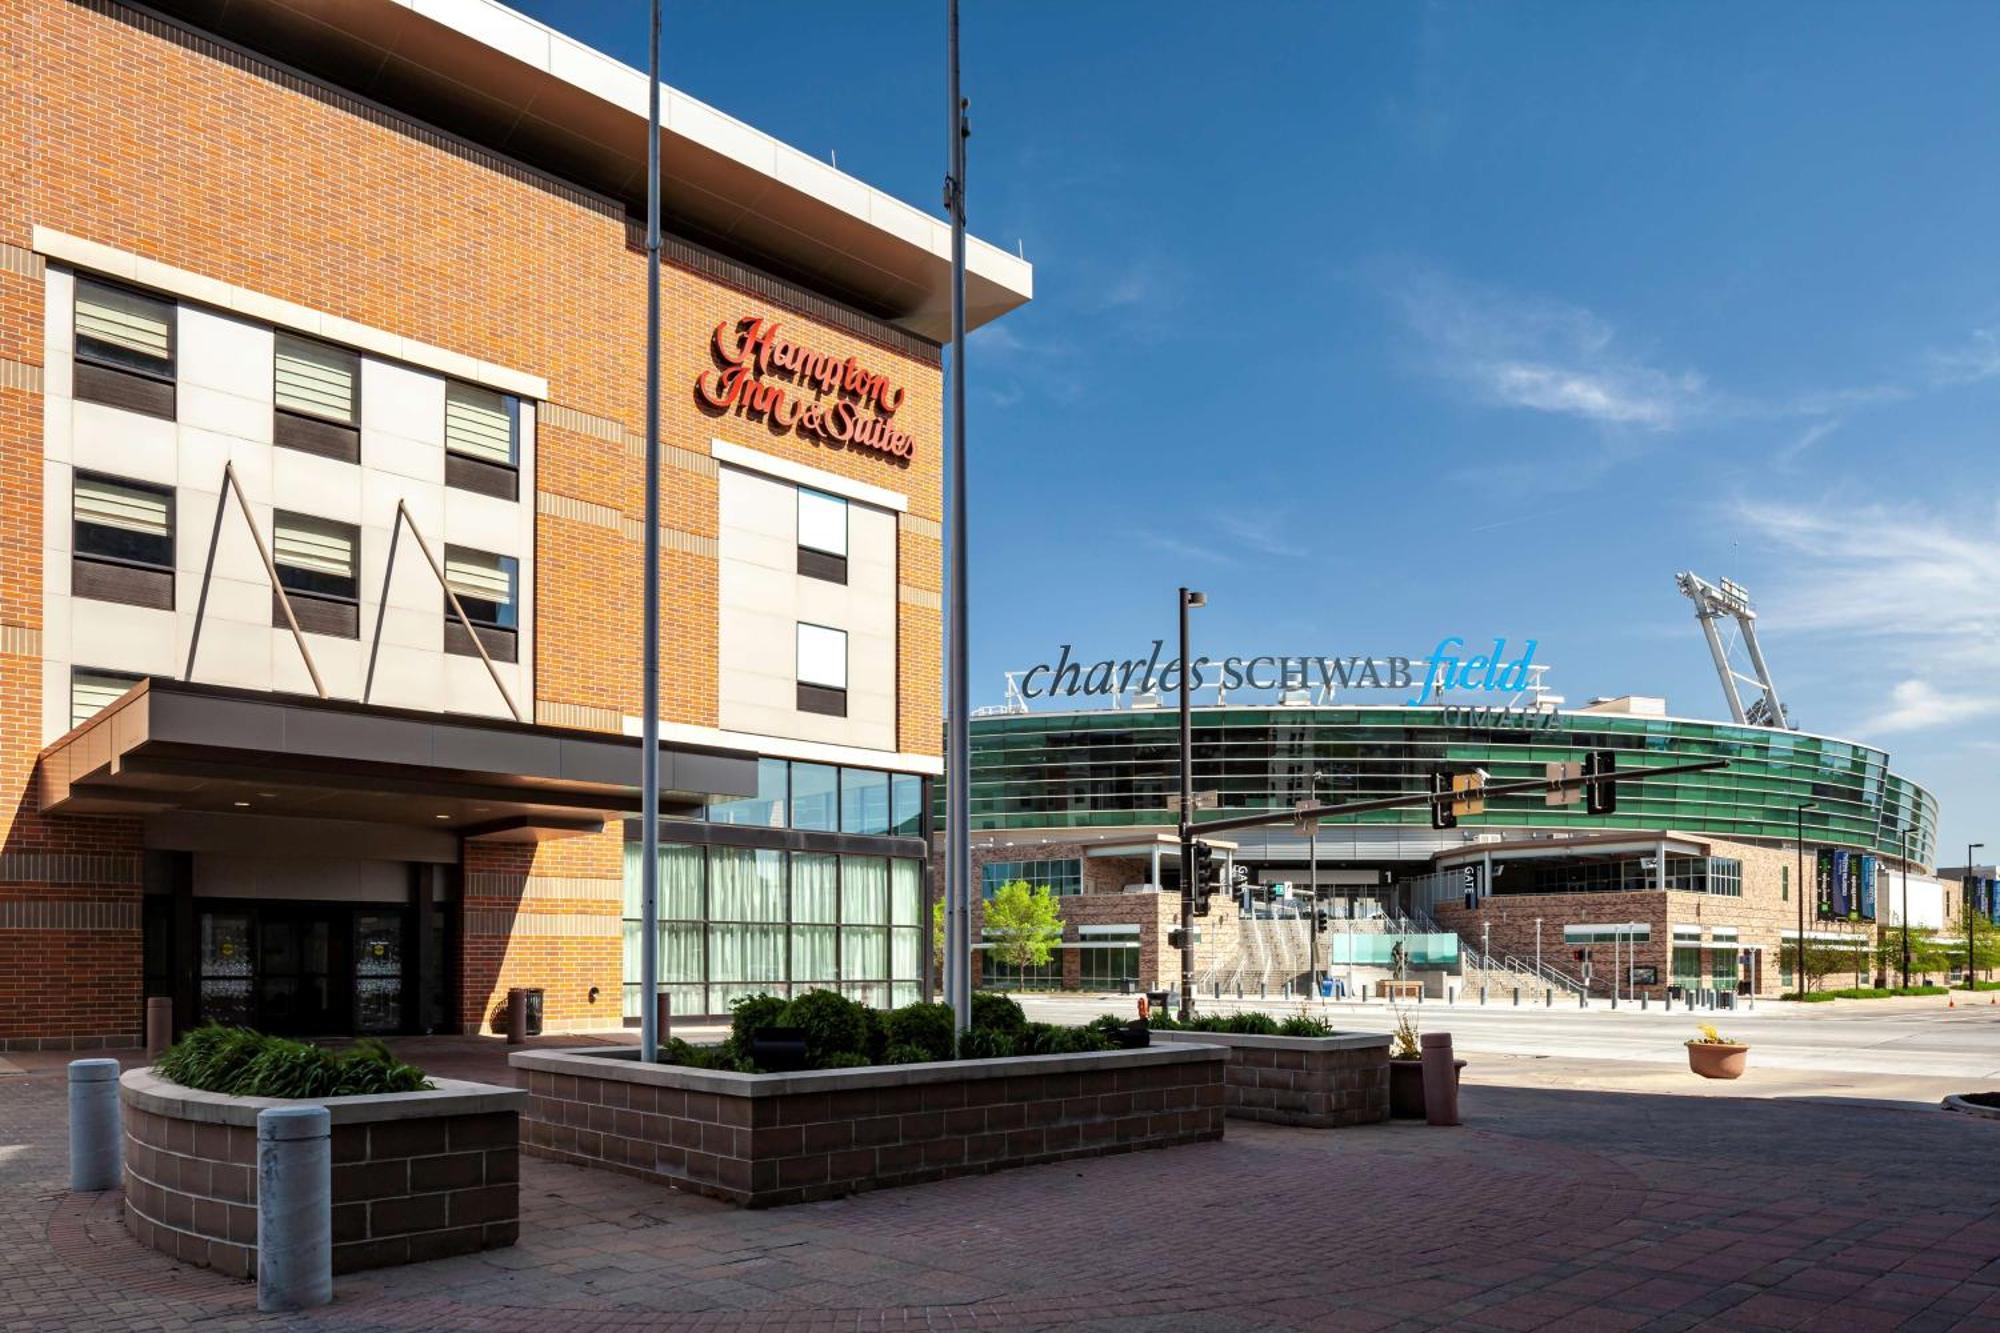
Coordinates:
[1904,594]
[1545,356]
[1917,705]
[1978,358]
[1262,534]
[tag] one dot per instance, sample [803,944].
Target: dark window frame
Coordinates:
[816,562]
[319,610]
[106,577]
[483,476]
[309,432]
[101,377]
[502,642]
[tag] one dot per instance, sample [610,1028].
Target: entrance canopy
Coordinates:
[169,745]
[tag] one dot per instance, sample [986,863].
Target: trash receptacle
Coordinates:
[1326,988]
[533,995]
[1725,999]
[1677,993]
[1157,1000]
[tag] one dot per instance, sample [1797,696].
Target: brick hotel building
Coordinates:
[321,383]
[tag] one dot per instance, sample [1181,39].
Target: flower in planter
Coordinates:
[1710,1037]
[1405,1045]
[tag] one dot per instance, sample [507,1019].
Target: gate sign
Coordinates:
[1823,884]
[1841,897]
[1868,864]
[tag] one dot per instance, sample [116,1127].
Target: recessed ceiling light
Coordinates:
[267,795]
[243,804]
[440,816]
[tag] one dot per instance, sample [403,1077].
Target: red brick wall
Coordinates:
[237,172]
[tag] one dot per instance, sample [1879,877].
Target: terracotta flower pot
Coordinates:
[1406,1088]
[1717,1059]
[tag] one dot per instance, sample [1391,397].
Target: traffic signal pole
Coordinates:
[1188,869]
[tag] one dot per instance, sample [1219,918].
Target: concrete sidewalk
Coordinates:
[1552,1207]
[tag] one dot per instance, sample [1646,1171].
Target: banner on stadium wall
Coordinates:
[1823,884]
[1843,899]
[1868,864]
[1993,901]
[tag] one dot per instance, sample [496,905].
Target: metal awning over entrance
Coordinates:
[173,746]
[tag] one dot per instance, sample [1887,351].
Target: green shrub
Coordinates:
[985,1044]
[1304,1025]
[674,1051]
[847,1060]
[749,1013]
[905,1053]
[1052,1039]
[875,1034]
[241,1063]
[1251,1024]
[927,1027]
[833,1025]
[997,1013]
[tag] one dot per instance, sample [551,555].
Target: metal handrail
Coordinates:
[1549,973]
[231,486]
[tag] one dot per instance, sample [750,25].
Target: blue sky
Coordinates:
[1382,322]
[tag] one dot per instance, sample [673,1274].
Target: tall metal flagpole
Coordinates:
[649,707]
[958,736]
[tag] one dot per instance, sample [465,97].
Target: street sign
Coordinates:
[1467,787]
[1564,773]
[1203,800]
[1303,824]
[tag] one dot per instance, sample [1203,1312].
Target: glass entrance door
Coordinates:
[378,971]
[297,958]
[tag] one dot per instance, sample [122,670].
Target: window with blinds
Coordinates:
[484,584]
[822,670]
[122,541]
[124,328]
[315,555]
[479,423]
[822,536]
[91,691]
[123,520]
[316,380]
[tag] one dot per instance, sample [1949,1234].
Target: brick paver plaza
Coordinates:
[1573,1210]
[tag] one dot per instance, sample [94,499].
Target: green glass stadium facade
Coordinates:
[1116,768]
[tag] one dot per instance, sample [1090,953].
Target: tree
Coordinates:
[1823,958]
[1022,924]
[1927,956]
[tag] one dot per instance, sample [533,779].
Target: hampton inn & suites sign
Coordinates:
[765,376]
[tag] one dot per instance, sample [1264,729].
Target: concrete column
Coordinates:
[96,1139]
[294,1208]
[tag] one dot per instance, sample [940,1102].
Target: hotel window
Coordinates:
[90,692]
[124,536]
[822,536]
[822,670]
[316,568]
[485,585]
[124,349]
[907,805]
[815,797]
[482,433]
[316,395]
[864,929]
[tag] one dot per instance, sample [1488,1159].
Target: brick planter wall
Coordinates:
[769,1139]
[1322,1082]
[416,1175]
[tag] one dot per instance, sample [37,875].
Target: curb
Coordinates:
[1959,1103]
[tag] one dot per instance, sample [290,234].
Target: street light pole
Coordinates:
[649,670]
[1799,950]
[1906,907]
[1188,599]
[958,690]
[1312,920]
[1965,891]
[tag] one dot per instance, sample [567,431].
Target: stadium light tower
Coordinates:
[1711,602]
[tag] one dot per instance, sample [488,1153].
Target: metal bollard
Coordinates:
[1517,997]
[1482,995]
[663,1013]
[517,1016]
[159,1023]
[1670,1002]
[96,1140]
[294,1208]
[1614,999]
[1548,998]
[1644,997]
[1583,999]
[1440,1079]
[1451,995]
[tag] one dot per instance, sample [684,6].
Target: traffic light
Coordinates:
[1441,815]
[1600,798]
[1198,878]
